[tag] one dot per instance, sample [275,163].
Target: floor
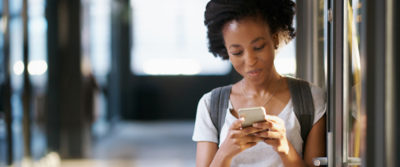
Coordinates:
[143,144]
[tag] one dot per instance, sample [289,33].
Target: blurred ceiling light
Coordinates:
[171,67]
[18,68]
[38,67]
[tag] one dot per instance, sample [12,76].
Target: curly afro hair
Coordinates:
[278,14]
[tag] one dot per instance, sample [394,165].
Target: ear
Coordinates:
[275,38]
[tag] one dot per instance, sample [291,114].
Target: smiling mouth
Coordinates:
[254,72]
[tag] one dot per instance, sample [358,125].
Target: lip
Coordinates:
[254,73]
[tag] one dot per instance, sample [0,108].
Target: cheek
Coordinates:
[268,55]
[236,62]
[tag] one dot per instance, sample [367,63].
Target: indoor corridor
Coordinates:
[133,144]
[117,83]
[142,144]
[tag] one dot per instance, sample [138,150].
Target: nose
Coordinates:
[251,58]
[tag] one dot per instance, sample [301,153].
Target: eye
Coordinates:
[237,53]
[259,47]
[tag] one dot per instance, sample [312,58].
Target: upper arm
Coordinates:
[204,129]
[316,142]
[205,153]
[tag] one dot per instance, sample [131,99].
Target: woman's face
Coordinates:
[251,48]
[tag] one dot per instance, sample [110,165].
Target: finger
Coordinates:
[251,130]
[276,124]
[248,145]
[263,125]
[250,138]
[272,142]
[236,133]
[272,126]
[239,139]
[237,124]
[275,119]
[270,134]
[278,127]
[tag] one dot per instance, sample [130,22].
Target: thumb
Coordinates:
[237,124]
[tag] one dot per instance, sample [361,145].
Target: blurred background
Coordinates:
[105,81]
[116,82]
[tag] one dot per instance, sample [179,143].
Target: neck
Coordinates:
[262,88]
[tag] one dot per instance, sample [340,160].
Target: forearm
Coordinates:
[221,160]
[292,158]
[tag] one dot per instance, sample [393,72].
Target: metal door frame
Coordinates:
[335,83]
[379,87]
[379,82]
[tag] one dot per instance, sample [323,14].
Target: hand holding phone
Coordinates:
[252,115]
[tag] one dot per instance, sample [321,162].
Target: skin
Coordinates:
[251,48]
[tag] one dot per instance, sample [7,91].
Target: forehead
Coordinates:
[245,29]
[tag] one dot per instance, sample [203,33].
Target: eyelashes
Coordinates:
[259,48]
[238,53]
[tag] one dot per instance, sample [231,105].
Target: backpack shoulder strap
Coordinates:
[218,106]
[303,104]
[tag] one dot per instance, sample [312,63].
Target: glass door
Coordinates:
[360,38]
[352,84]
[344,83]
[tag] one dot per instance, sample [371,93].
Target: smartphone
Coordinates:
[252,115]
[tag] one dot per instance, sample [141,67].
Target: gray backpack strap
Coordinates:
[303,104]
[218,106]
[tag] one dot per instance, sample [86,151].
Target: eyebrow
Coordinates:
[253,41]
[257,39]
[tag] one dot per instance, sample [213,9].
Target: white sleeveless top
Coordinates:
[261,154]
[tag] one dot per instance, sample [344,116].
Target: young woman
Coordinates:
[248,33]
